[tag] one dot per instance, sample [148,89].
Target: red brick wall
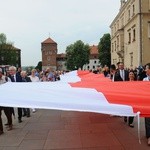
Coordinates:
[49,54]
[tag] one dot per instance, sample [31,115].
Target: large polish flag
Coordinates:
[80,91]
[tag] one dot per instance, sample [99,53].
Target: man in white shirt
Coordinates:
[34,78]
[16,77]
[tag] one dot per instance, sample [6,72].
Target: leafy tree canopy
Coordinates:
[39,66]
[3,38]
[7,51]
[77,55]
[104,48]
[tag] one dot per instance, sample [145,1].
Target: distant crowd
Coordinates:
[139,71]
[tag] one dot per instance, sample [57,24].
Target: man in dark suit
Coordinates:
[120,75]
[14,77]
[124,74]
[114,74]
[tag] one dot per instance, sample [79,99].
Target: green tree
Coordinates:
[39,66]
[7,51]
[3,38]
[104,48]
[77,55]
[69,54]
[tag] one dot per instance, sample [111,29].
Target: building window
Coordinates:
[93,67]
[122,22]
[117,43]
[115,61]
[118,25]
[134,35]
[133,7]
[112,32]
[95,62]
[149,29]
[112,47]
[129,37]
[149,5]
[115,29]
[131,59]
[88,67]
[129,14]
[115,46]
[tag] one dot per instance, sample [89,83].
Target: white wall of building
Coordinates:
[93,64]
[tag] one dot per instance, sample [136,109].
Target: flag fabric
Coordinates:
[80,91]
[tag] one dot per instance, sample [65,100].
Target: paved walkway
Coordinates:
[66,130]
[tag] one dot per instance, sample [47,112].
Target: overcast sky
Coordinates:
[28,23]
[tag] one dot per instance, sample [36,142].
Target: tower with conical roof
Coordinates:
[49,54]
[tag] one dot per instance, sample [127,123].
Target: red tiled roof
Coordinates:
[94,49]
[62,55]
[49,40]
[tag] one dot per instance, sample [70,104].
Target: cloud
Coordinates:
[28,23]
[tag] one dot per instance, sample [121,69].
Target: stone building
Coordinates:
[61,61]
[94,60]
[130,33]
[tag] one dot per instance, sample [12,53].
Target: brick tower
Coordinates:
[49,54]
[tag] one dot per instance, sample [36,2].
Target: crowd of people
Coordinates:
[18,75]
[119,73]
[115,73]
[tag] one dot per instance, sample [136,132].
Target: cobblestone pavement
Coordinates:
[67,130]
